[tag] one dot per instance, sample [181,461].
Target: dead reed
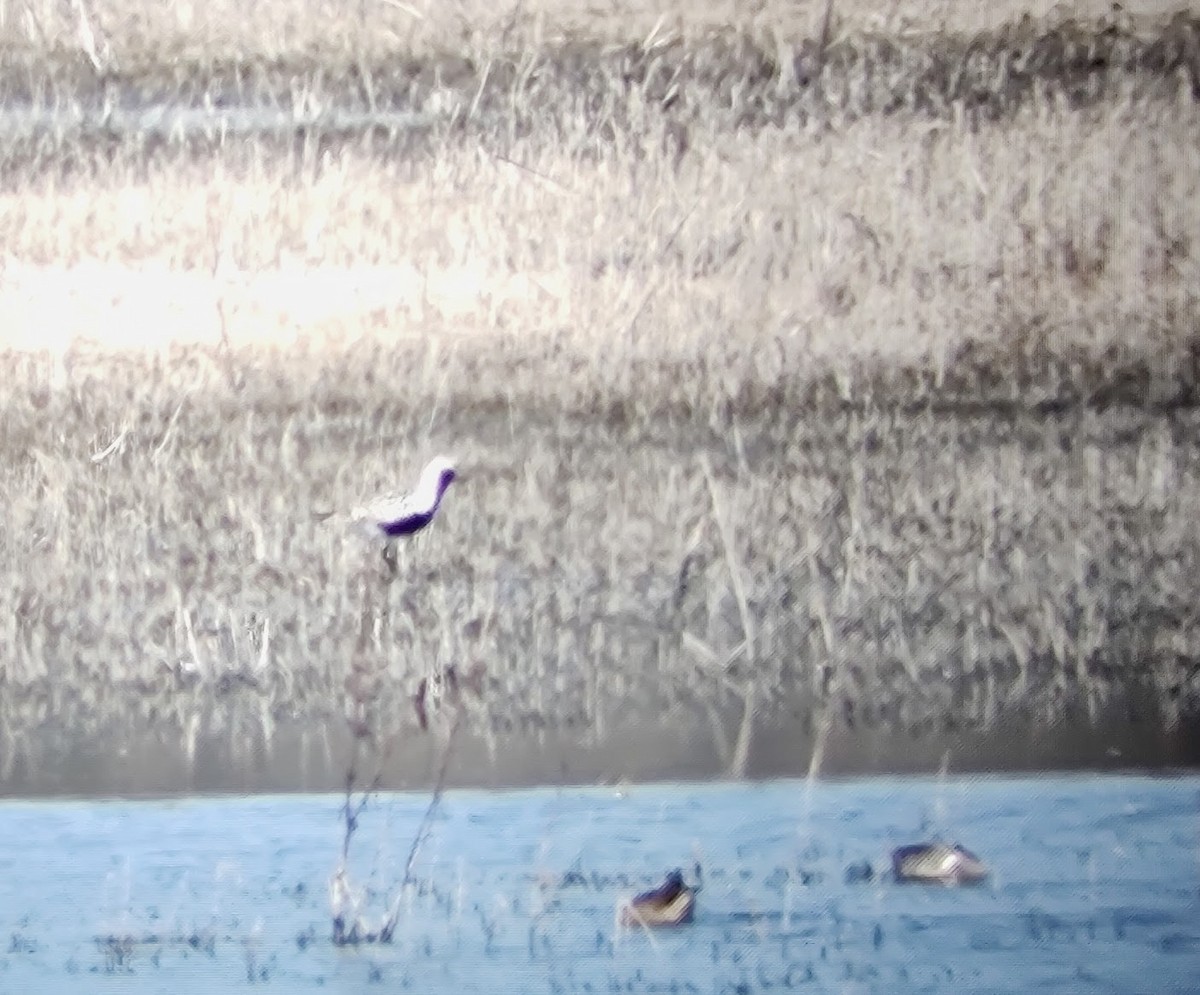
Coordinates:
[762,68]
[128,35]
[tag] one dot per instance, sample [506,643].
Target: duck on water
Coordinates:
[395,516]
[937,863]
[672,903]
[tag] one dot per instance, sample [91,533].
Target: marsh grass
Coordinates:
[742,73]
[882,419]
[128,35]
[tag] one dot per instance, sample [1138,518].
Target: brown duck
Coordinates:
[672,903]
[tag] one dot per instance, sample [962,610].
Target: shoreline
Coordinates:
[160,769]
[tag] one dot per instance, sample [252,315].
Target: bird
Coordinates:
[672,903]
[395,516]
[937,863]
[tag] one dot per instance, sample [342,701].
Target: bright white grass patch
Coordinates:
[122,306]
[901,239]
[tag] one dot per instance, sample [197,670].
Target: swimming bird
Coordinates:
[403,515]
[672,903]
[937,863]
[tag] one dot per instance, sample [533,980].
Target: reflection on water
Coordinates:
[1095,886]
[108,754]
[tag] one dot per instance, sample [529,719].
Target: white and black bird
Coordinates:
[392,517]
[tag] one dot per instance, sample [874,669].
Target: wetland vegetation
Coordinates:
[835,374]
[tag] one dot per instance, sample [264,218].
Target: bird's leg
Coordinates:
[389,557]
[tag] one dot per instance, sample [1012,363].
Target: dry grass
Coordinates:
[127,35]
[764,67]
[900,243]
[941,370]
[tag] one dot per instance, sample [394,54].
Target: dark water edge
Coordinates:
[314,757]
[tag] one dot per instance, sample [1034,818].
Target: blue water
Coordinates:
[1095,887]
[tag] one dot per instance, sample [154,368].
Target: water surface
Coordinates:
[1096,887]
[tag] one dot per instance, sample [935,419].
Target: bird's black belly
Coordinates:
[405,526]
